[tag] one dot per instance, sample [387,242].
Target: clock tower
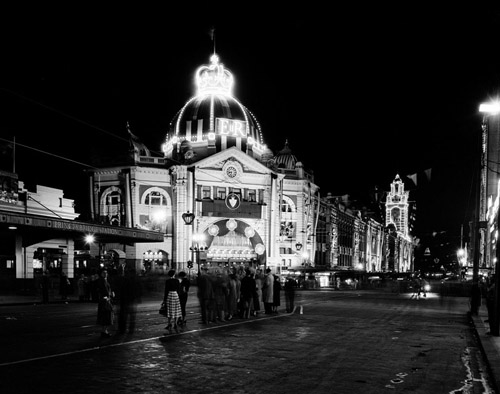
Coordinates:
[396,207]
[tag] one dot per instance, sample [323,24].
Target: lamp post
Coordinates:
[488,109]
[196,248]
[491,120]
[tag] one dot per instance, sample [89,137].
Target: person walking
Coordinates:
[267,292]
[105,310]
[206,297]
[171,300]
[276,293]
[290,285]
[130,296]
[184,286]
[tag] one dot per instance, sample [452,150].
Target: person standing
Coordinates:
[81,288]
[220,292]
[64,285]
[246,294]
[276,293]
[267,292]
[105,313]
[206,297]
[171,300]
[290,285]
[257,300]
[490,302]
[234,296]
[130,296]
[184,286]
[46,285]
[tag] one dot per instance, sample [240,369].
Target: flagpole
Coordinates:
[14,155]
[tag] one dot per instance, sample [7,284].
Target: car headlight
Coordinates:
[427,287]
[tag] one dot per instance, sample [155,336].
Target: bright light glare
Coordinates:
[198,237]
[490,108]
[89,239]
[159,216]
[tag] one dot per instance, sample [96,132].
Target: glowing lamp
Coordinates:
[492,108]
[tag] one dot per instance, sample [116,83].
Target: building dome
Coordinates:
[285,159]
[213,120]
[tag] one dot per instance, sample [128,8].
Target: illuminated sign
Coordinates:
[234,128]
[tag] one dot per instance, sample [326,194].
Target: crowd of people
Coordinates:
[223,295]
[242,293]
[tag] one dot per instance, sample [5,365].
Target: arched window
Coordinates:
[111,206]
[155,209]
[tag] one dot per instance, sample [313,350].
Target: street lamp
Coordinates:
[197,247]
[487,148]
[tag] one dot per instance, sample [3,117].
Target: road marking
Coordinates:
[215,326]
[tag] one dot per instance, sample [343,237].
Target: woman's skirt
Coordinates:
[173,305]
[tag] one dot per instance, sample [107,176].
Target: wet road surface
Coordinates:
[334,342]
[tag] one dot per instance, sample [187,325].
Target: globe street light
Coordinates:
[196,247]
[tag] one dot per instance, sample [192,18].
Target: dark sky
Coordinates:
[360,93]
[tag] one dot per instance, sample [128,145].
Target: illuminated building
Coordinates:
[221,197]
[250,206]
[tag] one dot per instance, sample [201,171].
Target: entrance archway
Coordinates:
[223,227]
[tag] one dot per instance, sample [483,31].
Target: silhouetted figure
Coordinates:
[64,286]
[105,313]
[183,295]
[206,297]
[130,296]
[290,285]
[46,285]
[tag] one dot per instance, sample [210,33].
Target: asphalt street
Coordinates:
[334,342]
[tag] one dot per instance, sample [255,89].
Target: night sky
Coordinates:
[360,93]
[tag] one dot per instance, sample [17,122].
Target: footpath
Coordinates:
[490,345]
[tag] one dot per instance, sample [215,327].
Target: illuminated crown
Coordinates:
[214,79]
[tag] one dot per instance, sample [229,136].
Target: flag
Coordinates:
[413,178]
[428,174]
[137,147]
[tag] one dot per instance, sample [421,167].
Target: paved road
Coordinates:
[335,342]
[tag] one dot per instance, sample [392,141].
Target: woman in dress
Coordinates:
[171,300]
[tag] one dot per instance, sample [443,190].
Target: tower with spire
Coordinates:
[396,207]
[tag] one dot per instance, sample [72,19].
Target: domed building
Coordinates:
[219,194]
[219,198]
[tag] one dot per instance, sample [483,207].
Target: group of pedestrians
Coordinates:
[239,294]
[242,294]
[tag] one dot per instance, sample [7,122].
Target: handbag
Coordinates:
[163,309]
